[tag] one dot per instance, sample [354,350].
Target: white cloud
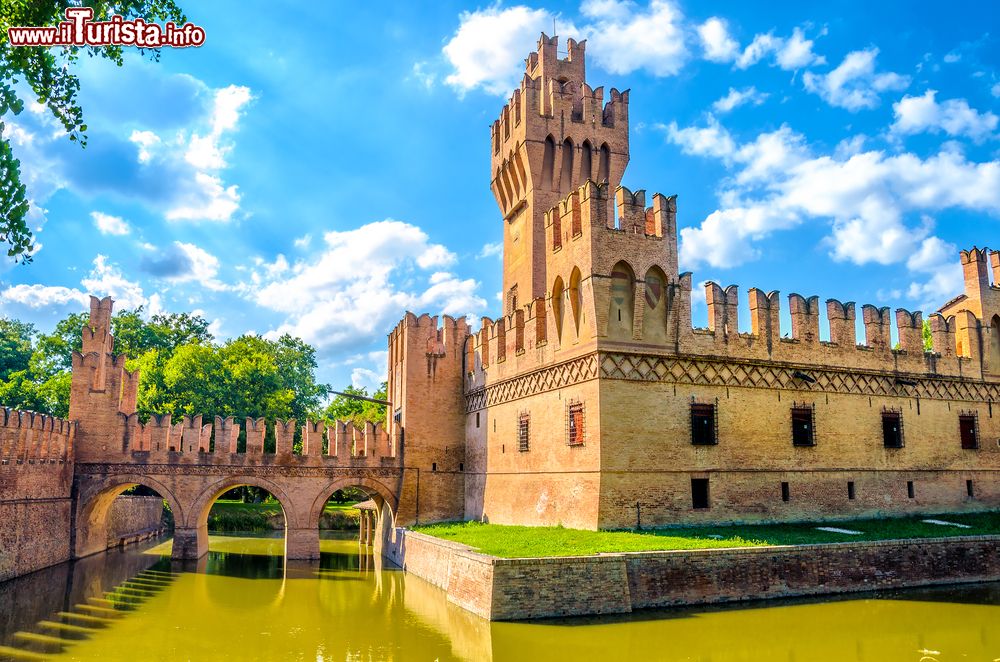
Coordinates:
[995,90]
[937,261]
[195,159]
[489,250]
[107,279]
[303,241]
[953,116]
[43,296]
[107,224]
[182,262]
[488,49]
[489,45]
[761,45]
[789,54]
[712,140]
[622,41]
[778,182]
[796,52]
[715,40]
[854,84]
[736,98]
[359,283]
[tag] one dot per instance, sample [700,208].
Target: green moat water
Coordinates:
[244,602]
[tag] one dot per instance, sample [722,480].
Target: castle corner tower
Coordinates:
[553,135]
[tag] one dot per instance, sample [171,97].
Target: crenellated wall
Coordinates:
[36,479]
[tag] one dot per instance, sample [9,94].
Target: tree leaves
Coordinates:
[49,74]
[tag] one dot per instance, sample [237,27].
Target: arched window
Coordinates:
[548,163]
[621,302]
[604,167]
[557,305]
[586,161]
[575,297]
[995,344]
[566,171]
[654,318]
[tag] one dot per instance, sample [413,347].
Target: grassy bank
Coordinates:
[238,516]
[525,541]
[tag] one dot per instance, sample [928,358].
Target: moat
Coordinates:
[245,601]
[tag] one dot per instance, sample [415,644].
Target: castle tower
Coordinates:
[101,388]
[553,135]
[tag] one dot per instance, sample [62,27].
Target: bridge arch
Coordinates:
[381,494]
[94,499]
[198,514]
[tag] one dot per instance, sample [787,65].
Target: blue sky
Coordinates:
[318,168]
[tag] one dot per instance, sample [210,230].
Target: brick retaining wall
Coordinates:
[513,589]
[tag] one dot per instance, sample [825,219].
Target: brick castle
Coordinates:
[593,403]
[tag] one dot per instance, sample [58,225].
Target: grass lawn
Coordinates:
[528,541]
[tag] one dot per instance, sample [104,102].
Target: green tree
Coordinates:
[346,408]
[15,346]
[928,339]
[49,73]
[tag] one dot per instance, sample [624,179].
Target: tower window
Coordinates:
[968,430]
[699,493]
[969,489]
[850,490]
[477,419]
[512,299]
[910,492]
[786,492]
[523,432]
[574,424]
[803,430]
[892,429]
[703,424]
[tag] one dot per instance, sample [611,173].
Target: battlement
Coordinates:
[27,437]
[191,442]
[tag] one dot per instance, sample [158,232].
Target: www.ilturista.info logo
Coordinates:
[79,29]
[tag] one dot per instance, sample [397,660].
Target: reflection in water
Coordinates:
[244,602]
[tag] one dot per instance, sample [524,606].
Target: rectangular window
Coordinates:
[968,430]
[969,490]
[786,493]
[910,493]
[575,424]
[703,424]
[523,430]
[850,490]
[803,433]
[477,419]
[699,493]
[892,429]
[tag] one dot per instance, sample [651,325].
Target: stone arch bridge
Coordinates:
[302,486]
[191,464]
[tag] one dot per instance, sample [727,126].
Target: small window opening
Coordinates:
[477,419]
[703,424]
[892,429]
[803,433]
[969,489]
[575,424]
[785,492]
[461,466]
[434,466]
[909,489]
[850,490]
[523,432]
[967,429]
[699,493]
